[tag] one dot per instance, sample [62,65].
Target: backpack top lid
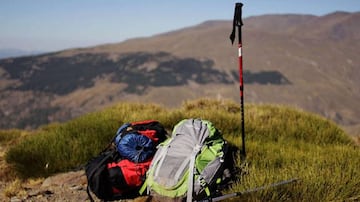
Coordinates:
[137,141]
[197,129]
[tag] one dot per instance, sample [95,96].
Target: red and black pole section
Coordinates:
[237,23]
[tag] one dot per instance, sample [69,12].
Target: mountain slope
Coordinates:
[301,60]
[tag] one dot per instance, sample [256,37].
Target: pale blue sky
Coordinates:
[50,25]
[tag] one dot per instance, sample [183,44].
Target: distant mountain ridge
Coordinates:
[10,52]
[302,60]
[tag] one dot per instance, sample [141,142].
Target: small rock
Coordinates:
[76,187]
[47,192]
[61,179]
[34,193]
[15,199]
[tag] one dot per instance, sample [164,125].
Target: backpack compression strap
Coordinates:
[156,163]
[191,173]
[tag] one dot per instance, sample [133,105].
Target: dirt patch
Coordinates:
[70,186]
[62,187]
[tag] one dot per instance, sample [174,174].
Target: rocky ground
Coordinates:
[62,187]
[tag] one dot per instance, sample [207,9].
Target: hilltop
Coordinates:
[282,143]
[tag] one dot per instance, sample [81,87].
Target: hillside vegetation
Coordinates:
[316,70]
[282,143]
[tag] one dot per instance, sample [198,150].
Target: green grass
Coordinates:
[282,143]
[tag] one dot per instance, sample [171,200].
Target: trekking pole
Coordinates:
[237,22]
[226,196]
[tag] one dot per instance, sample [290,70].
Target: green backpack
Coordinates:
[190,164]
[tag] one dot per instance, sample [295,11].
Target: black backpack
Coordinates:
[117,174]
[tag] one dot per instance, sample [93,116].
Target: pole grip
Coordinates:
[237,21]
[238,13]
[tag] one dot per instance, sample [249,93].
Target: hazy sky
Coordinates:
[49,25]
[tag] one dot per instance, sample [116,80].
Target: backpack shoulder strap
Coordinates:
[92,172]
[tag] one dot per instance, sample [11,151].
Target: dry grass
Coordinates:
[14,188]
[7,139]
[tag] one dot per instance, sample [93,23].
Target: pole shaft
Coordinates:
[238,10]
[235,194]
[241,81]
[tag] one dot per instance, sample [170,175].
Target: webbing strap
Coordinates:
[159,159]
[154,169]
[88,192]
[191,173]
[182,168]
[143,187]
